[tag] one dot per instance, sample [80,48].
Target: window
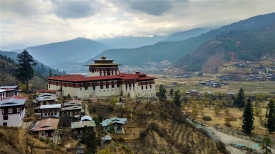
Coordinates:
[146,87]
[80,85]
[94,85]
[3,111]
[80,89]
[113,84]
[101,85]
[55,113]
[18,109]
[49,86]
[118,83]
[42,134]
[5,117]
[107,84]
[86,88]
[4,124]
[150,86]
[10,110]
[141,87]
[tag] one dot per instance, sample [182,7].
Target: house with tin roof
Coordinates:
[77,127]
[117,123]
[46,128]
[12,111]
[52,110]
[45,99]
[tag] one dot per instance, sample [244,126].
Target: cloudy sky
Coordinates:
[34,22]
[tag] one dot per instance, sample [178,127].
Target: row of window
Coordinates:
[11,110]
[49,114]
[146,87]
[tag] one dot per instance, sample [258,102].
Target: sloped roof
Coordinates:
[46,124]
[68,108]
[113,120]
[52,106]
[8,87]
[81,78]
[13,101]
[2,90]
[86,118]
[74,103]
[82,124]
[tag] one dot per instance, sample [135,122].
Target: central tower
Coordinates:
[103,67]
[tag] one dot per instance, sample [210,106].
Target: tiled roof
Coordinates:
[80,78]
[46,124]
[52,106]
[13,101]
[82,124]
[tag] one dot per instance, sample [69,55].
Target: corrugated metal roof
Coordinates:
[8,87]
[13,101]
[50,106]
[71,108]
[107,122]
[86,118]
[81,124]
[2,90]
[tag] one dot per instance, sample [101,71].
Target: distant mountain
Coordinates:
[76,50]
[186,34]
[236,45]
[131,42]
[40,68]
[173,51]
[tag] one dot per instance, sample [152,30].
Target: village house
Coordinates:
[104,80]
[10,90]
[72,111]
[12,111]
[73,103]
[46,128]
[45,99]
[117,123]
[77,127]
[192,92]
[49,110]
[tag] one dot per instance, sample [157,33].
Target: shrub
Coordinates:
[121,139]
[206,118]
[41,139]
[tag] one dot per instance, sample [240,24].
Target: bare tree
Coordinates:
[29,146]
[138,101]
[149,99]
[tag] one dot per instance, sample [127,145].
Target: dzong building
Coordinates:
[104,79]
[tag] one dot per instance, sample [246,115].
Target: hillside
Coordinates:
[7,67]
[246,45]
[40,68]
[76,50]
[186,34]
[173,51]
[130,42]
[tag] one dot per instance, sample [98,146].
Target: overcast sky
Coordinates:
[34,22]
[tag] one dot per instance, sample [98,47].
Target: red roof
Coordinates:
[81,78]
[46,91]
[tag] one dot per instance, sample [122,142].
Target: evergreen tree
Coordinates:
[248,119]
[89,139]
[240,100]
[171,93]
[25,70]
[162,92]
[266,144]
[177,98]
[271,117]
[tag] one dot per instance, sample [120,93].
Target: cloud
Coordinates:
[75,9]
[35,22]
[151,7]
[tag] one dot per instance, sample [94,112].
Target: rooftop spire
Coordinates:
[103,57]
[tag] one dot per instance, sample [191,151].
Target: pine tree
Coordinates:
[50,73]
[248,119]
[240,100]
[171,92]
[25,70]
[266,144]
[271,117]
[162,92]
[89,139]
[177,98]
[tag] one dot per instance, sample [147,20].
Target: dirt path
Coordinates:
[86,109]
[228,139]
